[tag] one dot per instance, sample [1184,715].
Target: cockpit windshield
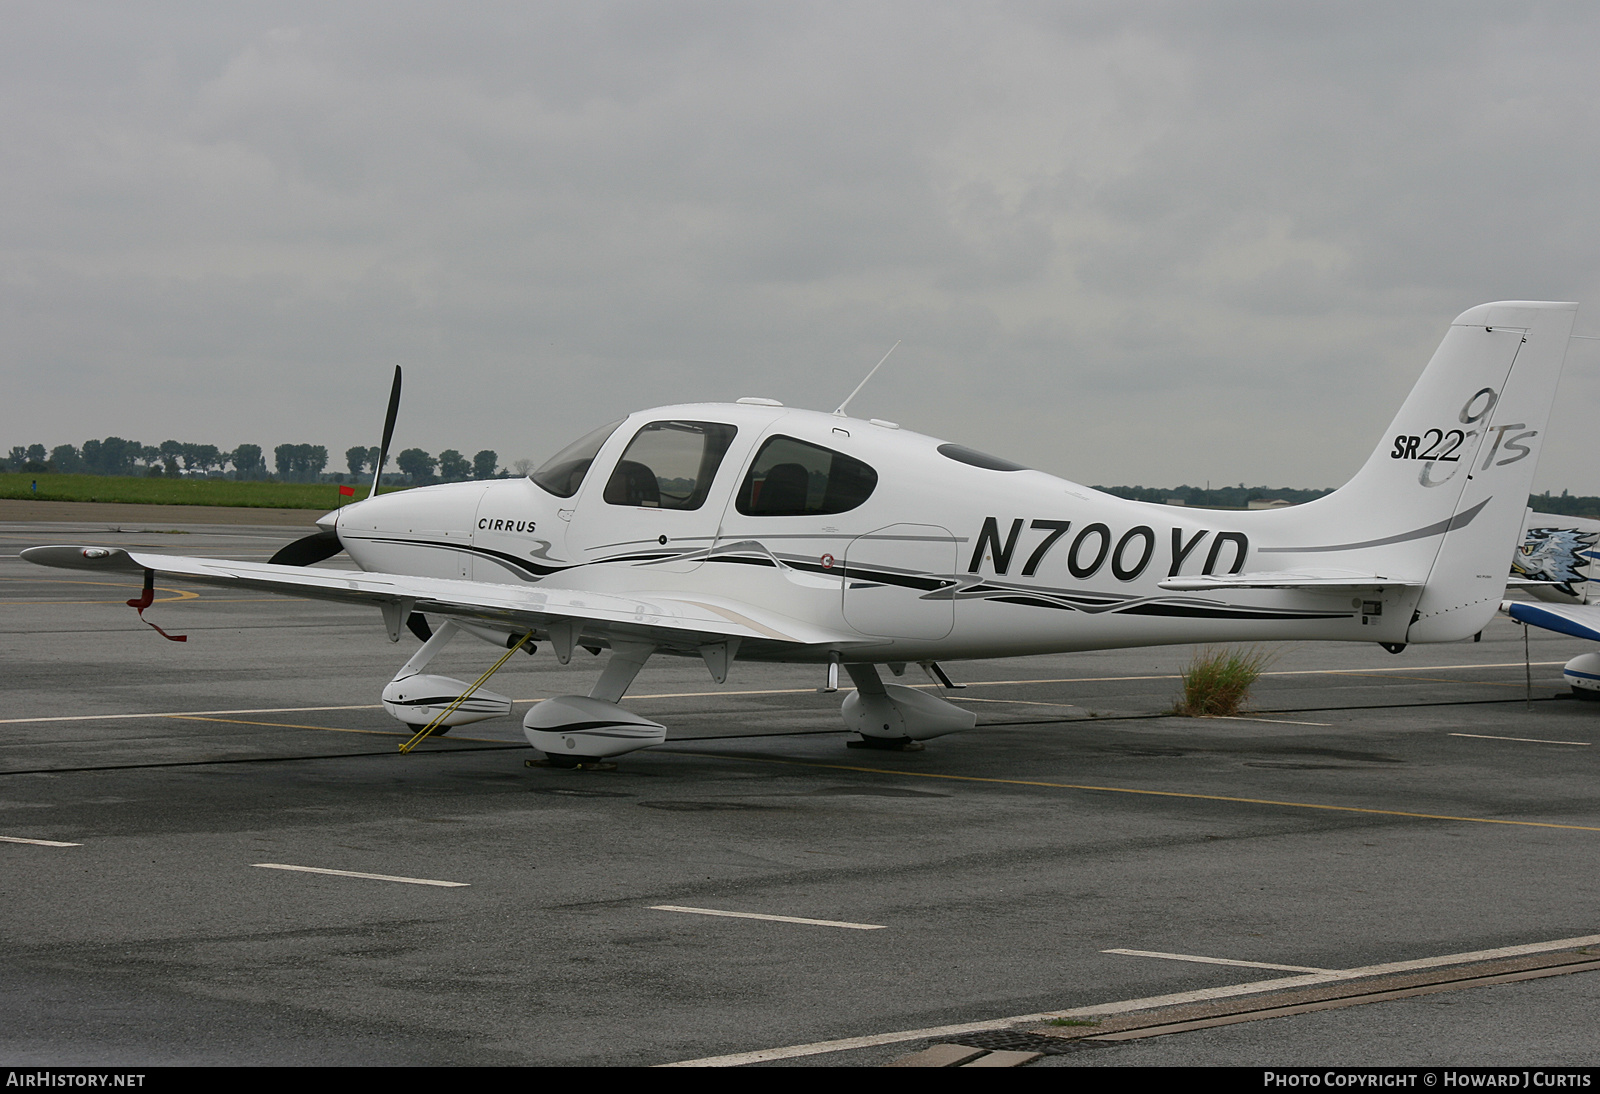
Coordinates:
[563,473]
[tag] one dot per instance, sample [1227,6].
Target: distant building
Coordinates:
[1268,503]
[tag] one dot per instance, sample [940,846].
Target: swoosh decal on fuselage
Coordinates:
[937,586]
[533,568]
[1460,520]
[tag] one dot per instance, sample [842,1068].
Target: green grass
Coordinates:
[139,491]
[1217,681]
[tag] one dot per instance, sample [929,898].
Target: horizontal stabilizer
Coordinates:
[1578,620]
[1322,581]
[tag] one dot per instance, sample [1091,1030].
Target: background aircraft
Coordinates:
[1555,564]
[755,531]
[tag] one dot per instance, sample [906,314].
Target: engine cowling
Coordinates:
[418,700]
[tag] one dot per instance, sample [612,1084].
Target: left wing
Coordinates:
[679,621]
[1578,620]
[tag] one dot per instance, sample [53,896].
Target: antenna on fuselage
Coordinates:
[388,432]
[864,379]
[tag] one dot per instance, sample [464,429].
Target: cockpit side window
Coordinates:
[791,478]
[670,465]
[563,473]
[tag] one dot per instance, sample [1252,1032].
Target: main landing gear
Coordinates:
[895,717]
[573,729]
[590,730]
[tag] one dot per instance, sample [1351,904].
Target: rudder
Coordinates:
[1468,577]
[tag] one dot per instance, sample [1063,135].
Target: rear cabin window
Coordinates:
[670,465]
[962,454]
[791,478]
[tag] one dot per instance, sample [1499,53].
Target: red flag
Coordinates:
[347,491]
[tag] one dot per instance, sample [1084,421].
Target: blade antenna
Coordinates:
[388,432]
[864,379]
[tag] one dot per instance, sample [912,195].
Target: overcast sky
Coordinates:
[1122,242]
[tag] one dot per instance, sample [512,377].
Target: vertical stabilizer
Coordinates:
[1468,577]
[1442,497]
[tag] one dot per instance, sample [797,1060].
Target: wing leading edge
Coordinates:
[1578,620]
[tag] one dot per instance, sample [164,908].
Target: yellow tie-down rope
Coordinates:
[464,696]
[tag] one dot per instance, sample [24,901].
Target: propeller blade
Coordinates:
[417,624]
[388,431]
[312,548]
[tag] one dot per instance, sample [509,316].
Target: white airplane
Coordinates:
[760,532]
[1555,564]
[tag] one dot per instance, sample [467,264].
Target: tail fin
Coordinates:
[1442,497]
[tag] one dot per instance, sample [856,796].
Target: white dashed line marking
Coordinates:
[1527,740]
[38,842]
[1216,960]
[773,918]
[357,873]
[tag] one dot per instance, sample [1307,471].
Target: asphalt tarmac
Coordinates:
[1373,809]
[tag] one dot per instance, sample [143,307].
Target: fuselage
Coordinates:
[923,549]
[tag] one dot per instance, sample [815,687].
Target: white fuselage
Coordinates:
[943,559]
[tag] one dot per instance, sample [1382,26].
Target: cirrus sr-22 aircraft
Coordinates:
[755,531]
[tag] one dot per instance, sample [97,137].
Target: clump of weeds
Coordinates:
[1217,681]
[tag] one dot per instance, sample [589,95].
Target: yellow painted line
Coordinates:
[1118,679]
[762,691]
[1102,680]
[183,714]
[706,694]
[180,594]
[1407,668]
[1147,793]
[332,729]
[259,600]
[1013,702]
[284,725]
[1445,679]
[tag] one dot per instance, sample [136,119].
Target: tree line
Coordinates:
[308,463]
[1223,497]
[293,462]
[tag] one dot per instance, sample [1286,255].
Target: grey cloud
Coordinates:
[1105,232]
